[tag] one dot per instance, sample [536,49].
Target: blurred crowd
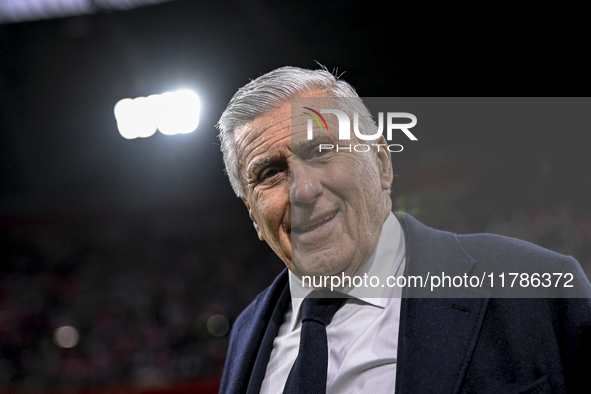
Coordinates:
[149,310]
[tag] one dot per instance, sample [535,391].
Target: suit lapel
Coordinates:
[252,333]
[264,353]
[437,335]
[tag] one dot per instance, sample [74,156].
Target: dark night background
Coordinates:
[138,243]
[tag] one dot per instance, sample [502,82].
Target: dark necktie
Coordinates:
[308,374]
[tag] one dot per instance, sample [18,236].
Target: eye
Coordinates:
[268,173]
[272,169]
[320,153]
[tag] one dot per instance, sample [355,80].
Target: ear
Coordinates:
[384,161]
[254,222]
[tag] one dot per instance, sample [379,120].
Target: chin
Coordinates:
[317,266]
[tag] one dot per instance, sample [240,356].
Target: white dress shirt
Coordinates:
[363,334]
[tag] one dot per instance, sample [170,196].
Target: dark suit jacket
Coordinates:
[474,343]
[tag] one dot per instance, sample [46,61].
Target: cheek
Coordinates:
[368,173]
[355,176]
[361,187]
[270,212]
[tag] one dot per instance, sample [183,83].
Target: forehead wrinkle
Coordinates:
[269,152]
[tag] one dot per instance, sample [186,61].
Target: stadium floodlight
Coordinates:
[134,118]
[171,113]
[178,112]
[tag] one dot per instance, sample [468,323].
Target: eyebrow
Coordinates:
[258,164]
[314,142]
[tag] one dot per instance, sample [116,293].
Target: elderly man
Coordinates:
[327,213]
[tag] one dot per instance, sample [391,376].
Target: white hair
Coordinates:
[269,92]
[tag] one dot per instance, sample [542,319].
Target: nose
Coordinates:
[305,185]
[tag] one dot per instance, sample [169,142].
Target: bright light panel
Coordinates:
[171,113]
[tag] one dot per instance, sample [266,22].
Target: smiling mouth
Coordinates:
[313,226]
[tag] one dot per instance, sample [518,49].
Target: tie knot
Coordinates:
[320,310]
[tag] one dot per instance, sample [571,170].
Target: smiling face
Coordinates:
[321,212]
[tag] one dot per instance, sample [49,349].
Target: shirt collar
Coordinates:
[387,259]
